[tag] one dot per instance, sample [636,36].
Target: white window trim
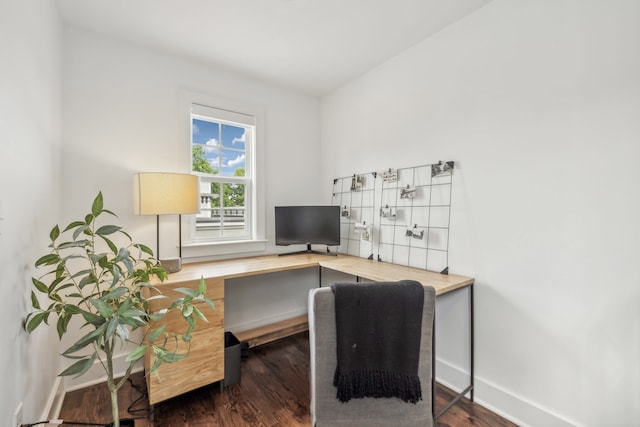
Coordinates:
[198,250]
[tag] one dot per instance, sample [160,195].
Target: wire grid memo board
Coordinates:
[400,216]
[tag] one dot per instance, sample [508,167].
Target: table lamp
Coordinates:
[160,193]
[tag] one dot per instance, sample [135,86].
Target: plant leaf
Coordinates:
[123,332]
[202,286]
[187,310]
[92,318]
[87,339]
[210,304]
[74,244]
[34,301]
[187,291]
[144,248]
[136,353]
[72,309]
[111,328]
[80,367]
[156,317]
[115,294]
[86,280]
[105,230]
[103,308]
[199,313]
[49,259]
[36,320]
[192,324]
[81,229]
[160,272]
[81,273]
[40,286]
[74,224]
[63,322]
[173,357]
[108,212]
[112,247]
[133,321]
[98,204]
[157,332]
[55,233]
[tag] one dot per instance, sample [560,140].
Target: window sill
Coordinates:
[191,251]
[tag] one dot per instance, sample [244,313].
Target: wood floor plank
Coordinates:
[273,392]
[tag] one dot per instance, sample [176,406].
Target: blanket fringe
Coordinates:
[377,384]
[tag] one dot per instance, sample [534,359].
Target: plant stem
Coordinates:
[113,388]
[114,407]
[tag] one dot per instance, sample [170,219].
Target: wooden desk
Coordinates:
[205,364]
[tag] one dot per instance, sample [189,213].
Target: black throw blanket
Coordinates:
[378,330]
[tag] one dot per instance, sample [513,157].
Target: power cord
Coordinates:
[74,423]
[140,389]
[60,422]
[143,395]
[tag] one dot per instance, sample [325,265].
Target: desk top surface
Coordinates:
[364,268]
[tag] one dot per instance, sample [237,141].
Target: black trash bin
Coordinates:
[231,359]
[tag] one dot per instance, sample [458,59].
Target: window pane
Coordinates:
[223,216]
[232,151]
[233,137]
[233,195]
[233,216]
[205,137]
[233,163]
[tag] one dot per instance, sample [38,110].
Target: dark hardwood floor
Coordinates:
[273,391]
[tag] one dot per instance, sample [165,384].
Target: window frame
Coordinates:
[238,120]
[196,248]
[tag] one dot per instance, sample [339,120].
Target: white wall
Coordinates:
[121,116]
[30,115]
[538,103]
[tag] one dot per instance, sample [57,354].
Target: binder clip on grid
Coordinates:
[387,212]
[390,175]
[441,169]
[345,212]
[364,230]
[415,232]
[356,183]
[409,192]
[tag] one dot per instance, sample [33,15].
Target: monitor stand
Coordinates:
[311,251]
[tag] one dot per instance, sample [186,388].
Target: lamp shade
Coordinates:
[159,193]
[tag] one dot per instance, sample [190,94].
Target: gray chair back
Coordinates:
[326,409]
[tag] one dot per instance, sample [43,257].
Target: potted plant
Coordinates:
[107,285]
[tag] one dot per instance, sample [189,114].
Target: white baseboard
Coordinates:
[54,403]
[504,403]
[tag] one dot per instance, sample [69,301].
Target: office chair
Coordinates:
[326,408]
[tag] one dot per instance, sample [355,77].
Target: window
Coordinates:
[223,154]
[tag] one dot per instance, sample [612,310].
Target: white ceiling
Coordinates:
[311,46]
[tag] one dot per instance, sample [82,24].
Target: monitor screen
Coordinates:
[298,225]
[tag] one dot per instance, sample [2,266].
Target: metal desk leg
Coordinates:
[472,341]
[469,389]
[433,368]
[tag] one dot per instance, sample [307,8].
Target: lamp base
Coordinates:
[172,265]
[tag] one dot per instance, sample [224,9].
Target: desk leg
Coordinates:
[472,340]
[433,368]
[469,389]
